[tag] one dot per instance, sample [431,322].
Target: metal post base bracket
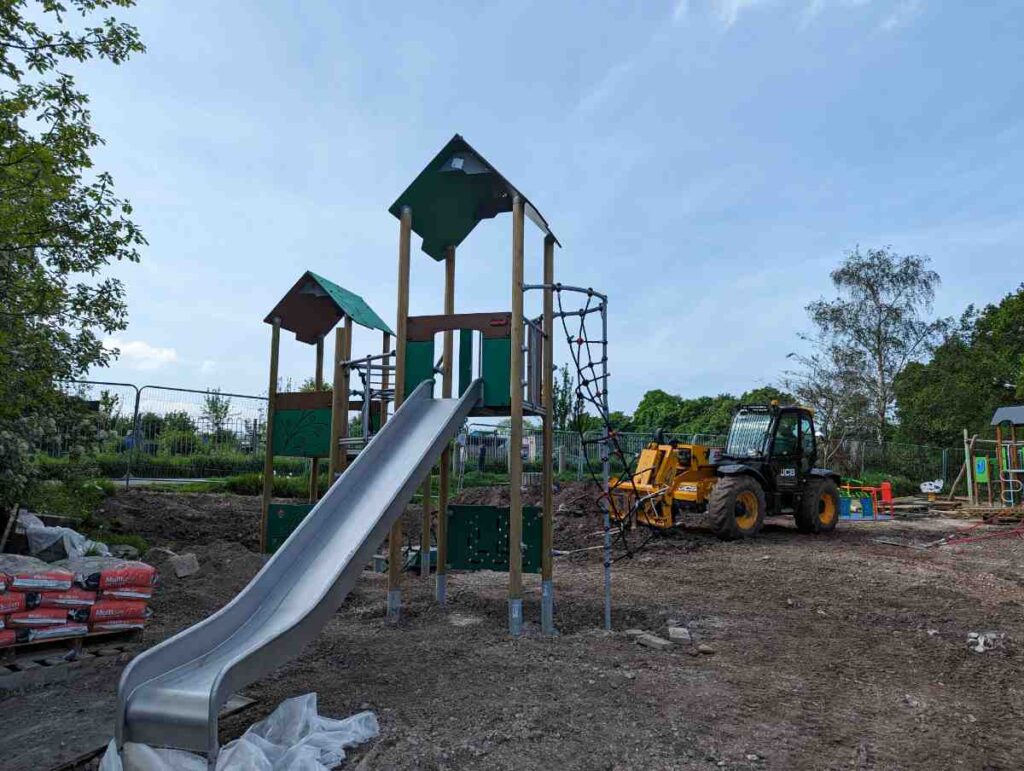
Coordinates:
[547,608]
[394,606]
[515,617]
[441,589]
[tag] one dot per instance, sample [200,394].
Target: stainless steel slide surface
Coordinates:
[170,695]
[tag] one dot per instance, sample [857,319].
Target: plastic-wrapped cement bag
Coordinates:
[294,737]
[56,543]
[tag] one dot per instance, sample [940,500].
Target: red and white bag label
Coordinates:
[38,617]
[127,593]
[11,637]
[30,574]
[13,602]
[74,597]
[124,625]
[117,610]
[110,572]
[51,632]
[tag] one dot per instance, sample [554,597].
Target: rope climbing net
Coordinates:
[589,356]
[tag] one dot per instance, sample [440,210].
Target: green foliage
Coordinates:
[701,415]
[309,385]
[77,499]
[216,411]
[563,397]
[901,485]
[979,367]
[60,223]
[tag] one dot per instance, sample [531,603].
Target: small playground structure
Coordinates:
[995,475]
[865,503]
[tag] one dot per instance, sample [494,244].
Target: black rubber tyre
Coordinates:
[736,507]
[819,507]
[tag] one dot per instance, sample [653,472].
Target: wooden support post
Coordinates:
[441,587]
[426,522]
[268,461]
[337,416]
[318,384]
[394,600]
[343,397]
[385,380]
[547,607]
[999,464]
[515,458]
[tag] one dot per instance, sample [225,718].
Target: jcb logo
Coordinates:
[788,472]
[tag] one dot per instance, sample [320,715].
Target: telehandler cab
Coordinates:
[768,467]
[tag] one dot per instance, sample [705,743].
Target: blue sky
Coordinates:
[706,162]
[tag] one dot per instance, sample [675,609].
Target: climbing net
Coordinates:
[589,356]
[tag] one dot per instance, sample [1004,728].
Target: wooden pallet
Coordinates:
[49,653]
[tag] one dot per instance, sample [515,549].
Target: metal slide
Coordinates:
[169,696]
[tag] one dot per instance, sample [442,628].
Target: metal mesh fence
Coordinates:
[152,432]
[125,431]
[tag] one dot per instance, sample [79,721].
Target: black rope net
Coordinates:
[591,393]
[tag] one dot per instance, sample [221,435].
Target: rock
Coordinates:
[158,555]
[706,649]
[680,635]
[124,551]
[653,641]
[185,565]
[634,632]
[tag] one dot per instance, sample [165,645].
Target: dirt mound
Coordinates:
[180,520]
[570,498]
[225,567]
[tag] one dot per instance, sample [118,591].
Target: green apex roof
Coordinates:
[456,190]
[314,306]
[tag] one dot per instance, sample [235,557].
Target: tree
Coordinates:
[309,385]
[877,325]
[563,398]
[977,368]
[216,410]
[60,223]
[824,384]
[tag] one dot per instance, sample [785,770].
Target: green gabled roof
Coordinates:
[456,190]
[314,305]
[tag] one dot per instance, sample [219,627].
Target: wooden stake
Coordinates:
[318,382]
[395,537]
[515,463]
[268,461]
[446,393]
[337,416]
[426,521]
[343,397]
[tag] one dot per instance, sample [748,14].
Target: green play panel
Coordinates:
[282,519]
[478,538]
[302,433]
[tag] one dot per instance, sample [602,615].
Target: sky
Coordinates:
[705,162]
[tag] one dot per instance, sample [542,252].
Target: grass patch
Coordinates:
[77,499]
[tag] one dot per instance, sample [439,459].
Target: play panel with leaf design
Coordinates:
[302,424]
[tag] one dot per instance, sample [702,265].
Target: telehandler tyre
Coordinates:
[737,507]
[819,507]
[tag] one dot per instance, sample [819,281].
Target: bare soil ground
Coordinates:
[829,652]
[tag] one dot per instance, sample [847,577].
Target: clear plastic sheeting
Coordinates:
[294,737]
[56,543]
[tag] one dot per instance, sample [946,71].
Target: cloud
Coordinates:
[138,354]
[612,81]
[208,366]
[815,8]
[729,10]
[900,16]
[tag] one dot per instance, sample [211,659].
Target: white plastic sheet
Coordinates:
[294,737]
[43,540]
